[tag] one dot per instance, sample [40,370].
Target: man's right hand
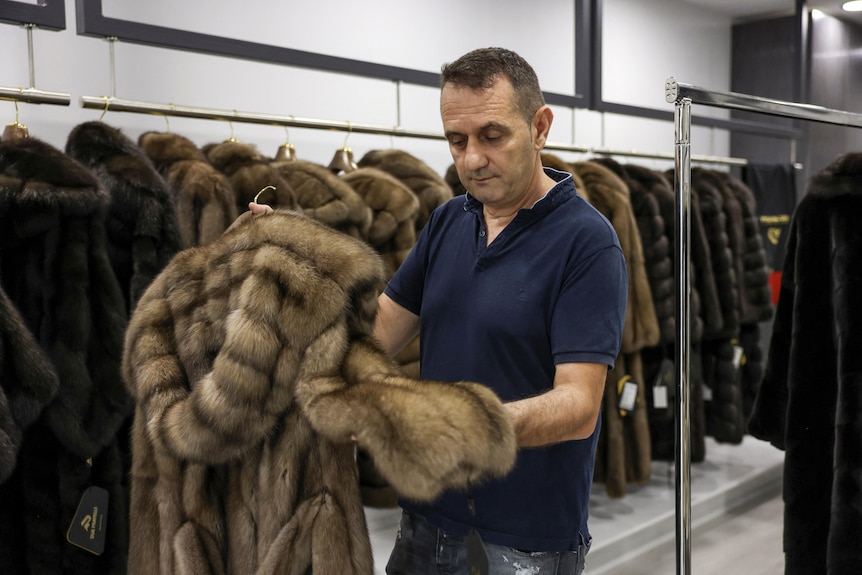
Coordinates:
[258,209]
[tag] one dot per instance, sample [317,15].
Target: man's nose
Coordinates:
[474,157]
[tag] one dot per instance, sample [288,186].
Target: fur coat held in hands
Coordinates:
[56,271]
[252,363]
[204,201]
[809,403]
[141,224]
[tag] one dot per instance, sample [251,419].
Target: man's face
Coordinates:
[491,142]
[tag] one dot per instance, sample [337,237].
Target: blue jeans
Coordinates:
[422,549]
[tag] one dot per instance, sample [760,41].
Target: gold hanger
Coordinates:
[230,123]
[287,151]
[343,161]
[16,130]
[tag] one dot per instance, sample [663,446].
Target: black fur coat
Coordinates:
[810,401]
[55,270]
[253,364]
[140,223]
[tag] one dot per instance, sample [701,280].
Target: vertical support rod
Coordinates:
[30,59]
[113,65]
[682,257]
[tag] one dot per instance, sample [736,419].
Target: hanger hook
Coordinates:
[286,135]
[349,130]
[262,191]
[105,111]
[16,109]
[167,123]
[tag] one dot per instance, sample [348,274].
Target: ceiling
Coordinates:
[742,10]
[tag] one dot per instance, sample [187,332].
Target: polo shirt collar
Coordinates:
[561,192]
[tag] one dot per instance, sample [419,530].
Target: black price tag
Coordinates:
[477,556]
[87,530]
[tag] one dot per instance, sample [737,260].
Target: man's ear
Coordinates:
[541,126]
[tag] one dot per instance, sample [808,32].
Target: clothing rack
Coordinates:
[683,96]
[106,103]
[31,95]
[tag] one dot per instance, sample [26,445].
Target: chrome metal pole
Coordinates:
[682,235]
[30,59]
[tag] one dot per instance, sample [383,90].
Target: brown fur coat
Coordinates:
[203,198]
[252,365]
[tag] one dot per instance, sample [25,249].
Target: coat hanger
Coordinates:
[16,130]
[287,151]
[343,160]
[231,138]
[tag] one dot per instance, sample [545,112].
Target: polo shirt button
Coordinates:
[482,234]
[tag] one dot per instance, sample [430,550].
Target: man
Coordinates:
[520,285]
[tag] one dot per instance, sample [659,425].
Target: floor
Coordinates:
[736,518]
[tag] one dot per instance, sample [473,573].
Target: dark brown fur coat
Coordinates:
[140,224]
[252,364]
[56,271]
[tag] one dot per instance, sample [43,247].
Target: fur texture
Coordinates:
[431,189]
[623,455]
[141,225]
[394,208]
[252,364]
[204,201]
[57,273]
[27,383]
[249,172]
[327,198]
[810,401]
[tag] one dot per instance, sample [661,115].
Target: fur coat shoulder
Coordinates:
[430,188]
[810,400]
[394,209]
[249,173]
[204,201]
[252,363]
[326,197]
[141,224]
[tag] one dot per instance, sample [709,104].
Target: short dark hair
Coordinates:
[480,68]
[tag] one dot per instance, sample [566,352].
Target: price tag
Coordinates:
[87,530]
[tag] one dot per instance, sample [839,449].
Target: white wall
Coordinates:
[644,42]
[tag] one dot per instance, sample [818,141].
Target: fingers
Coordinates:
[258,209]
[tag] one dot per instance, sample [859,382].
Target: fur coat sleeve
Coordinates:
[252,364]
[27,383]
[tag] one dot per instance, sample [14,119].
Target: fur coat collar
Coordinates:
[252,364]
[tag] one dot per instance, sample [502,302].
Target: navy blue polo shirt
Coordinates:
[551,288]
